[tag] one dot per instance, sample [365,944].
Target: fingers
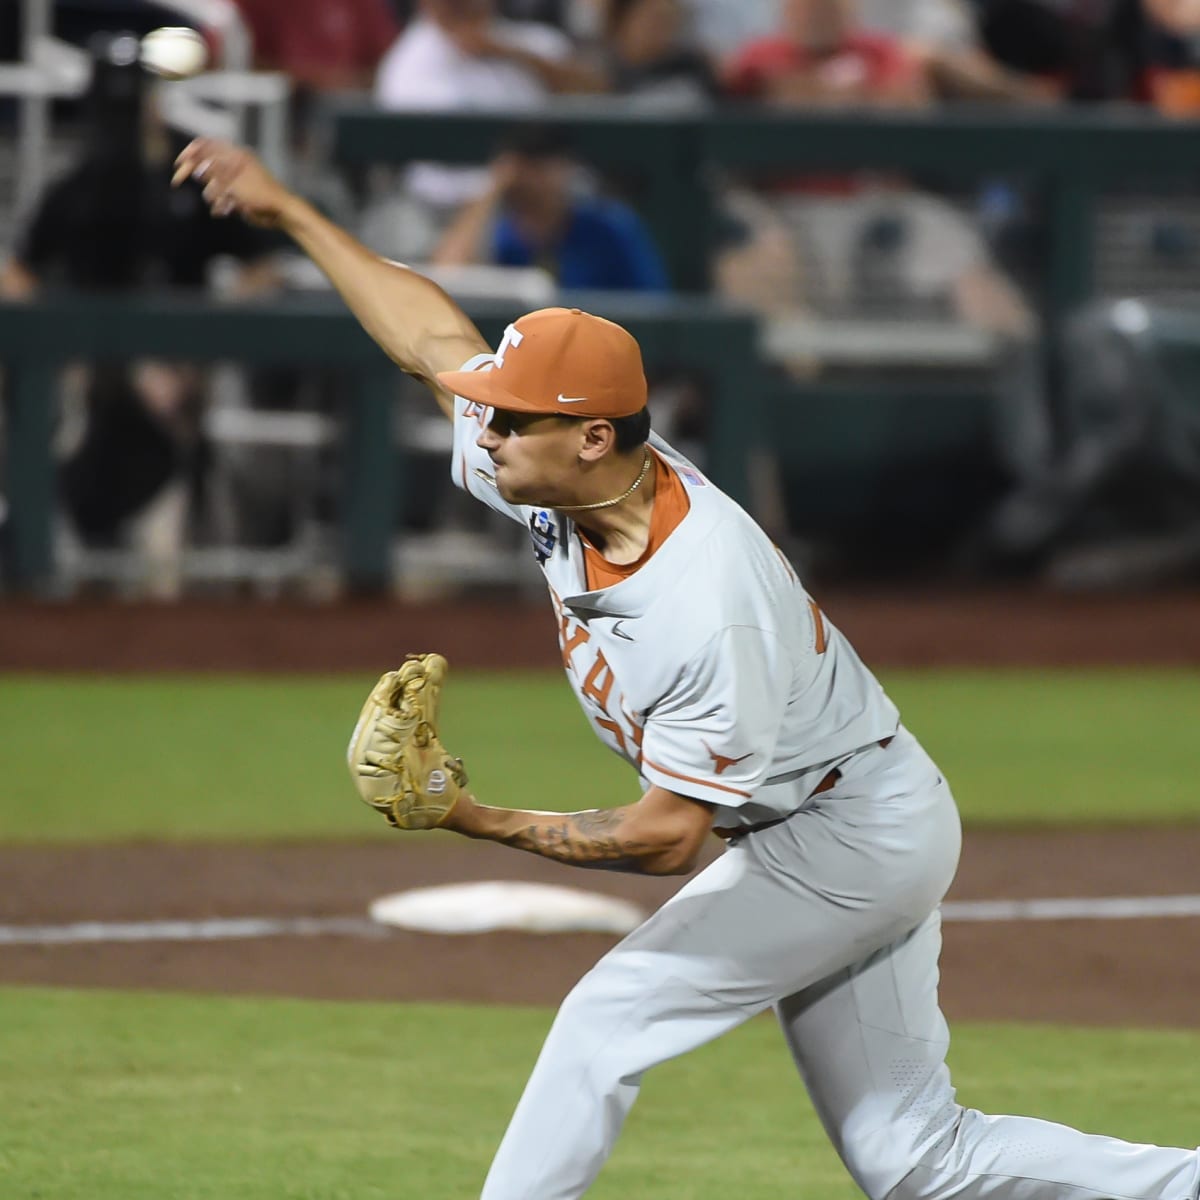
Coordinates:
[194,159]
[214,163]
[221,203]
[207,159]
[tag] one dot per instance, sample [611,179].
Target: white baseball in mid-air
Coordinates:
[174,52]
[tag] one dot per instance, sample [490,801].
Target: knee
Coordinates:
[614,983]
[895,1163]
[600,1007]
[918,1184]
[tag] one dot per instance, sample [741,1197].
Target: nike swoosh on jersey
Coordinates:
[619,632]
[485,476]
[570,399]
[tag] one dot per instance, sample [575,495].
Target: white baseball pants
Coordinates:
[830,917]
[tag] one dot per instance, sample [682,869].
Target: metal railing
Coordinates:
[37,337]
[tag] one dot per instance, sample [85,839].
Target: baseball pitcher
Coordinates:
[700,659]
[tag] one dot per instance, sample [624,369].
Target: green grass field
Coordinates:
[135,1096]
[103,758]
[115,1096]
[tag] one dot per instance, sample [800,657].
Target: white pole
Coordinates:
[33,115]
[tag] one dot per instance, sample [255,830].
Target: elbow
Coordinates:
[680,866]
[676,858]
[664,864]
[667,833]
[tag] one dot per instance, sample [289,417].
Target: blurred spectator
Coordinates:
[718,26]
[1089,50]
[881,250]
[112,222]
[944,35]
[324,45]
[884,280]
[1119,504]
[649,60]
[838,262]
[1175,80]
[1178,16]
[860,244]
[947,23]
[823,56]
[532,213]
[456,55]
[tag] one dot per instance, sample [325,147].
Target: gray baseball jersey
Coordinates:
[743,696]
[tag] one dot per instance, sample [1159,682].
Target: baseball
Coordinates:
[174,52]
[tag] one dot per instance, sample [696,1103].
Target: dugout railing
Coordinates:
[38,338]
[842,435]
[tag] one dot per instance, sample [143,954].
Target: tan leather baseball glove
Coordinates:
[398,765]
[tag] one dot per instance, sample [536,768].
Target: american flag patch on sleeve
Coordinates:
[693,477]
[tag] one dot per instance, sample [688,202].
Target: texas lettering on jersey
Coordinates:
[603,700]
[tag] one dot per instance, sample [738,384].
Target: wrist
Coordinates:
[461,817]
[294,213]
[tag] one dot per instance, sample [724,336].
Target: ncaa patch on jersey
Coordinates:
[543,535]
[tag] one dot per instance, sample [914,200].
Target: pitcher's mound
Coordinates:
[483,907]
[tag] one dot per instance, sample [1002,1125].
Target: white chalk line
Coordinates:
[214,929]
[1084,908]
[222,929]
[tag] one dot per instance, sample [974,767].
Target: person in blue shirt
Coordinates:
[533,214]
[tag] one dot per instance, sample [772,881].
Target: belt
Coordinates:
[826,783]
[833,777]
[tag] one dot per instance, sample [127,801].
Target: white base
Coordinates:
[483,907]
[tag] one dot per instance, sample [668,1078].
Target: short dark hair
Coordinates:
[536,139]
[632,431]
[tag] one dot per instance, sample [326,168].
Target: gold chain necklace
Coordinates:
[633,487]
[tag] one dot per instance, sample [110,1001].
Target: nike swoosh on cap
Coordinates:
[570,399]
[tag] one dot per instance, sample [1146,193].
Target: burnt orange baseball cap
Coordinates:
[562,361]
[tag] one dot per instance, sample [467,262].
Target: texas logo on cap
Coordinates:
[562,361]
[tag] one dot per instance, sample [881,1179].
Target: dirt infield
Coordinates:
[908,628]
[1128,972]
[1139,972]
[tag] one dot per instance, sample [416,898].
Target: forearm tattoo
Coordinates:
[595,839]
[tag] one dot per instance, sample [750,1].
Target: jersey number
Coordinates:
[597,684]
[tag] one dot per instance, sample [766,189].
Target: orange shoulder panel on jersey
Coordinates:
[671,505]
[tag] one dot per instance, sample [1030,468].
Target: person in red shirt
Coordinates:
[822,56]
[324,45]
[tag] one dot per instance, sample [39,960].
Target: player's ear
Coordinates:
[598,439]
